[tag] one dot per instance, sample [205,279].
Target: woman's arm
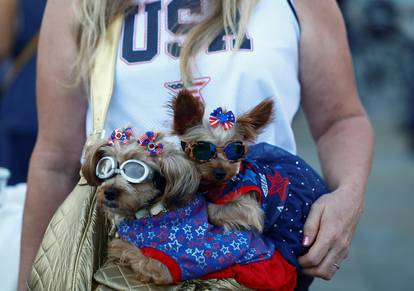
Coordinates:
[341,130]
[7,21]
[55,161]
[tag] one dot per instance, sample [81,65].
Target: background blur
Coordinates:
[381,35]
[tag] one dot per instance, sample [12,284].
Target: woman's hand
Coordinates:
[342,132]
[329,230]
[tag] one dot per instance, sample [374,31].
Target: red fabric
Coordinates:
[270,275]
[172,265]
[235,194]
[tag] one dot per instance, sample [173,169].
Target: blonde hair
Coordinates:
[95,15]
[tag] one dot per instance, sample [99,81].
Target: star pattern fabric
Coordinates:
[286,186]
[190,246]
[305,186]
[269,181]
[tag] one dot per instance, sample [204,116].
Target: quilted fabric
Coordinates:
[114,277]
[73,246]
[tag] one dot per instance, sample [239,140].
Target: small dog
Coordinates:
[149,187]
[135,178]
[217,147]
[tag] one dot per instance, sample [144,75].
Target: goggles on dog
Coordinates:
[134,171]
[204,151]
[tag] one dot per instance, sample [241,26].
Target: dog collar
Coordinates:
[156,209]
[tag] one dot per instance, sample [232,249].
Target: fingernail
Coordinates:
[306,241]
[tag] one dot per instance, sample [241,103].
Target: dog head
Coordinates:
[222,133]
[166,175]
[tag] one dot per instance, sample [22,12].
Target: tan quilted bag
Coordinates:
[75,240]
[71,255]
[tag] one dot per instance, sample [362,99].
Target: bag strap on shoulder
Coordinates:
[102,78]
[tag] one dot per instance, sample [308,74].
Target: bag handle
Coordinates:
[102,78]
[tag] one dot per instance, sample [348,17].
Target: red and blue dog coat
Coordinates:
[189,246]
[286,187]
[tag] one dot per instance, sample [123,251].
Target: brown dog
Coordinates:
[139,178]
[217,152]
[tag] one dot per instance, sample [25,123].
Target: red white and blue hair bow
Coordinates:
[120,135]
[149,140]
[226,120]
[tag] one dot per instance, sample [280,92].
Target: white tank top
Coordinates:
[147,70]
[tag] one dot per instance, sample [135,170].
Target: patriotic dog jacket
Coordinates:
[189,245]
[286,186]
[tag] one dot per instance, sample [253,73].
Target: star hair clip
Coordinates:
[226,120]
[149,141]
[120,135]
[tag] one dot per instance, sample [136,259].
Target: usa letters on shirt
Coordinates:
[149,16]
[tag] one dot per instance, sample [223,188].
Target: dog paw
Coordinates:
[146,269]
[242,213]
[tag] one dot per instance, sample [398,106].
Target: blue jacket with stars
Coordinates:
[286,187]
[189,245]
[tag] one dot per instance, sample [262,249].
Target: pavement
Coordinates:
[383,246]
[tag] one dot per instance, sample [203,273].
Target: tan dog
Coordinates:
[217,152]
[139,179]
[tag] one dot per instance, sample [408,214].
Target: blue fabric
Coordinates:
[269,181]
[29,21]
[305,186]
[197,246]
[18,119]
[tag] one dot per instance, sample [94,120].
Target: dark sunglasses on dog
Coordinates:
[204,151]
[134,171]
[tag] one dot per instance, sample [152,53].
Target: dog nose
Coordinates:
[219,174]
[110,194]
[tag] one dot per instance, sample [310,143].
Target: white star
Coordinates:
[187,211]
[225,250]
[189,236]
[188,251]
[243,241]
[151,235]
[214,255]
[235,245]
[171,236]
[198,253]
[175,246]
[200,231]
[187,228]
[163,225]
[140,237]
[175,229]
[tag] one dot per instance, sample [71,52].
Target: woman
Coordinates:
[262,62]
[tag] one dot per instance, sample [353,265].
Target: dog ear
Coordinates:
[187,112]
[251,123]
[92,155]
[182,180]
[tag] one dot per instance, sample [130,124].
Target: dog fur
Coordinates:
[244,212]
[180,181]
